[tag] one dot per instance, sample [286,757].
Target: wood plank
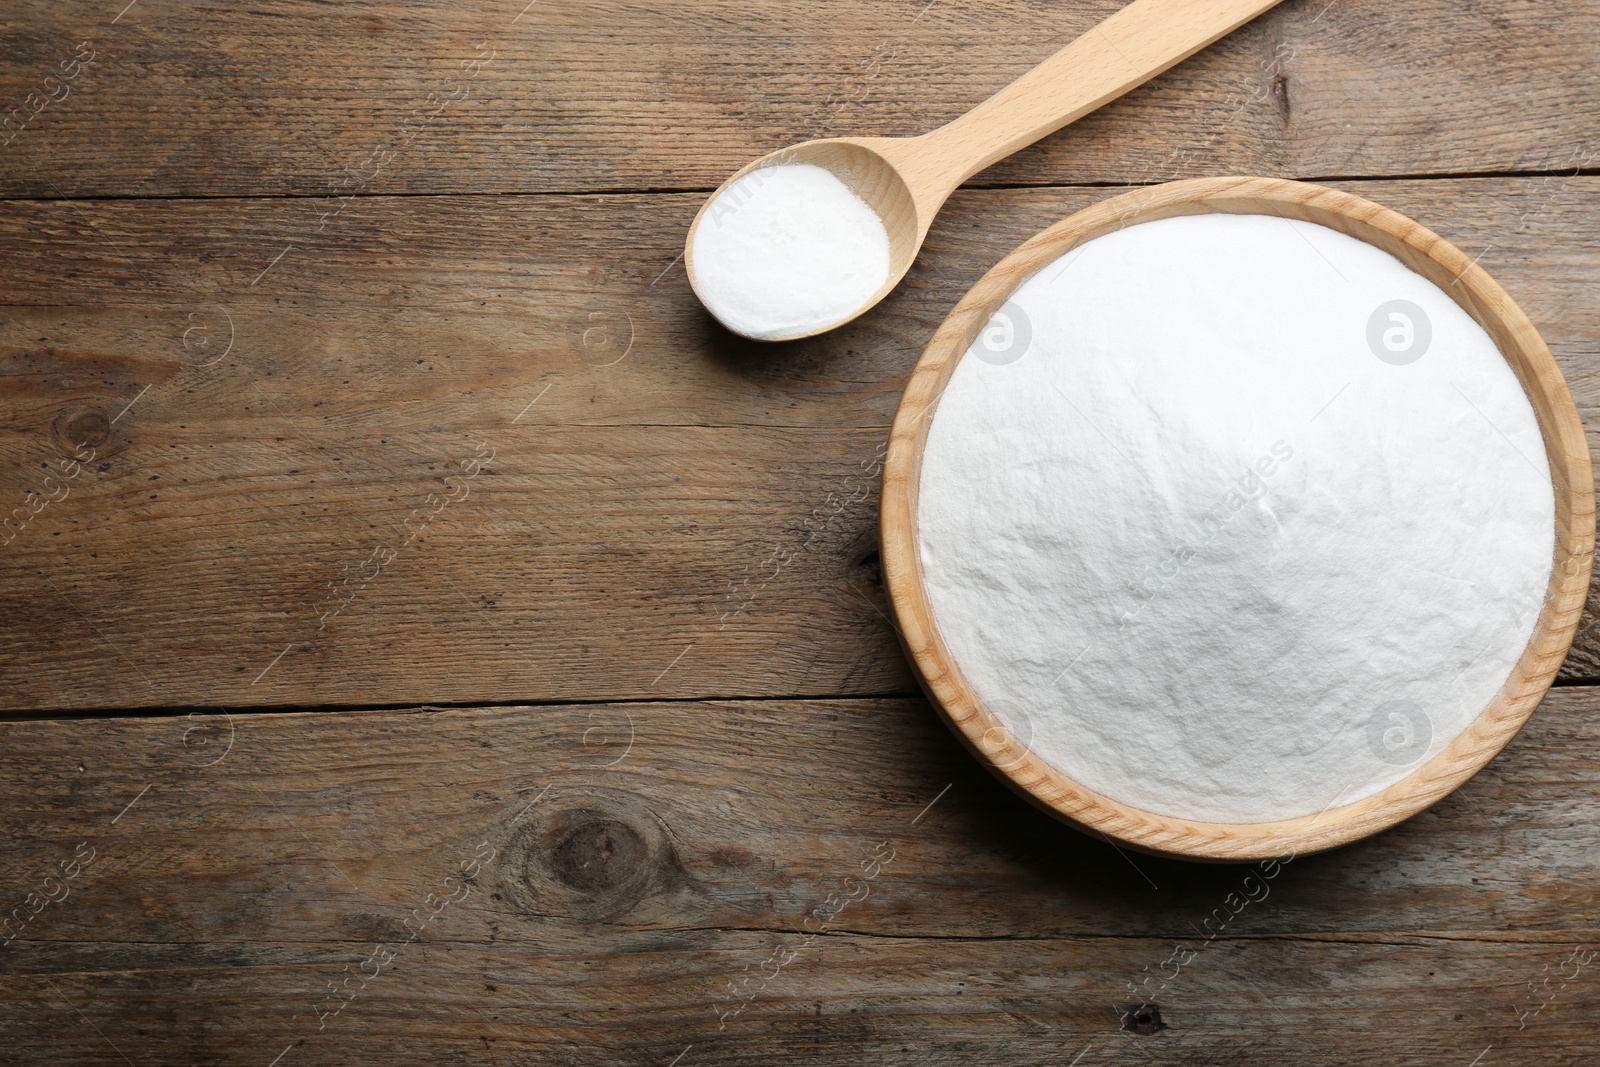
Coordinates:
[637,860]
[684,516]
[1409,1003]
[276,97]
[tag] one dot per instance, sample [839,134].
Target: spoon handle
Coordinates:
[1126,50]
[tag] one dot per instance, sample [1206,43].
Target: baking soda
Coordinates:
[1234,518]
[788,250]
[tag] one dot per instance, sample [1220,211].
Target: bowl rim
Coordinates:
[1425,253]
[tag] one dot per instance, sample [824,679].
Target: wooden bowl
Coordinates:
[1425,253]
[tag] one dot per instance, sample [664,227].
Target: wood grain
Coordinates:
[698,495]
[647,856]
[198,99]
[1134,44]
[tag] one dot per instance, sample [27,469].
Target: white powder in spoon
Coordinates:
[788,250]
[1234,518]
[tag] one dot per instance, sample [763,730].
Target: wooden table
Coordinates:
[427,637]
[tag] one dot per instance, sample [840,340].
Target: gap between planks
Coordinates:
[1465,175]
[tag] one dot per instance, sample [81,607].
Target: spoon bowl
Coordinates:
[863,165]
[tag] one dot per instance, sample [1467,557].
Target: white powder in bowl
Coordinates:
[788,250]
[1234,518]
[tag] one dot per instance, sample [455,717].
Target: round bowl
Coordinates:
[1423,252]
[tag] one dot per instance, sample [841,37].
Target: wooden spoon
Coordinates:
[906,180]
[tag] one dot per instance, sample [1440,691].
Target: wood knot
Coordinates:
[599,854]
[589,855]
[1144,1019]
[79,430]
[88,434]
[1280,99]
